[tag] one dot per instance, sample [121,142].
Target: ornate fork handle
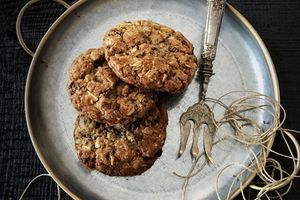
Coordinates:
[200,113]
[213,23]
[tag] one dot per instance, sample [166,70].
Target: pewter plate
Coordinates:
[242,63]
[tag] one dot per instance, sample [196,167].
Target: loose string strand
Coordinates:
[32,181]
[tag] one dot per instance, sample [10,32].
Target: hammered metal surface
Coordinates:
[239,65]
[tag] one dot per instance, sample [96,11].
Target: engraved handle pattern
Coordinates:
[213,23]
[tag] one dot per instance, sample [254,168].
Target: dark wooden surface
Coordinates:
[277,22]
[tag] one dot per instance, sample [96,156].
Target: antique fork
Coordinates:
[200,113]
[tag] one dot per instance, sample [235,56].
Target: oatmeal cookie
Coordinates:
[126,151]
[98,93]
[150,56]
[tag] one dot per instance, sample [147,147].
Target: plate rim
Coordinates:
[79,3]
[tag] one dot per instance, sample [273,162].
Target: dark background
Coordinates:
[277,22]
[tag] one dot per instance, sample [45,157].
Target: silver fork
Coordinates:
[200,113]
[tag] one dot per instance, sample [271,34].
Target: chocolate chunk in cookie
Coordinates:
[98,93]
[124,151]
[150,56]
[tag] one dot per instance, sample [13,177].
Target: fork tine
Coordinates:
[208,139]
[195,148]
[185,127]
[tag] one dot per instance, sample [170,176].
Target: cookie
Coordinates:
[126,151]
[150,56]
[99,94]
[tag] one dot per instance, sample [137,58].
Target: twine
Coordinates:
[238,115]
[19,21]
[35,178]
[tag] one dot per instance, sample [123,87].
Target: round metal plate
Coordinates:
[242,63]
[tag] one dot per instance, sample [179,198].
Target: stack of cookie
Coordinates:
[121,127]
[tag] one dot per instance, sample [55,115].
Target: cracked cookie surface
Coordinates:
[98,93]
[150,56]
[126,151]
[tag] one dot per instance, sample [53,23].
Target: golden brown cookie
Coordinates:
[127,151]
[150,56]
[97,92]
